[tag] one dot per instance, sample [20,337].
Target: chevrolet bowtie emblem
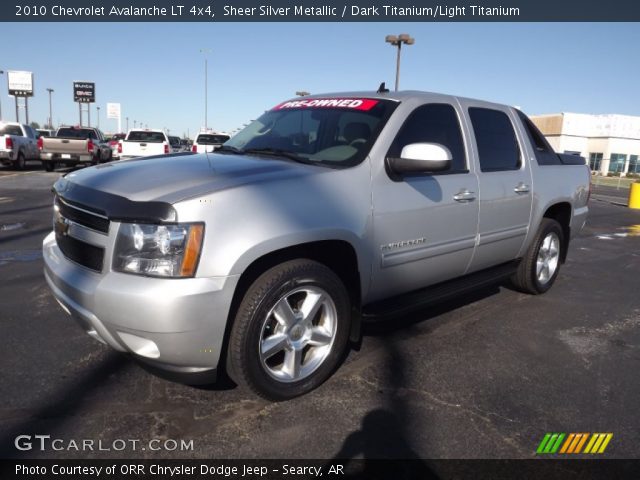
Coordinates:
[62,225]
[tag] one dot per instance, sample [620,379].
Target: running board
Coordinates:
[418,299]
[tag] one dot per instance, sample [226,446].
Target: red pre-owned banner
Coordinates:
[364,104]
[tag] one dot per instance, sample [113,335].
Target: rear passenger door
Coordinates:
[505,192]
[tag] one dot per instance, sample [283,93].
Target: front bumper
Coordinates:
[176,325]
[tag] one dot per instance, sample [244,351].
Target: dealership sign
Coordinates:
[20,83]
[113,110]
[84,92]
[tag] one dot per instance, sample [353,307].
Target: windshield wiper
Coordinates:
[277,152]
[228,149]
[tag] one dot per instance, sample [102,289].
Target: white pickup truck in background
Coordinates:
[207,142]
[17,144]
[144,143]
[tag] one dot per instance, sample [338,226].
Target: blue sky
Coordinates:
[155,70]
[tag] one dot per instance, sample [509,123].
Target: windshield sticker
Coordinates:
[363,104]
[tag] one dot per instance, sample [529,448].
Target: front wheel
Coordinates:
[540,266]
[290,331]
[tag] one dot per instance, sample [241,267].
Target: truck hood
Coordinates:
[172,178]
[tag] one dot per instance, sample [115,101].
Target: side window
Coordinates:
[543,151]
[15,130]
[496,140]
[31,133]
[433,123]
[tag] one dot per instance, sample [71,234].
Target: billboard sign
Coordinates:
[20,83]
[84,92]
[113,110]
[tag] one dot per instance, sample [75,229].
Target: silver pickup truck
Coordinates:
[17,144]
[73,145]
[263,257]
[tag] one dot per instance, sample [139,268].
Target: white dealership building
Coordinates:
[610,143]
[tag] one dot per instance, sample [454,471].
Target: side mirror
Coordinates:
[417,158]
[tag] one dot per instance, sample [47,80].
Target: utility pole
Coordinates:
[205,51]
[50,90]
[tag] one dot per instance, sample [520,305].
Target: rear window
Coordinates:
[174,141]
[212,139]
[11,130]
[83,133]
[142,136]
[497,145]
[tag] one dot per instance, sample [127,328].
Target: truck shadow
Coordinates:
[386,432]
[51,415]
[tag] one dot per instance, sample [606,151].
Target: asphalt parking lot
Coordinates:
[483,377]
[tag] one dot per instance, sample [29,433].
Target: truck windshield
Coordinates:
[334,131]
[143,136]
[83,133]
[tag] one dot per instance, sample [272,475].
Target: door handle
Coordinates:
[464,195]
[522,188]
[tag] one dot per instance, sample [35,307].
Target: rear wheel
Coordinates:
[290,331]
[20,162]
[540,266]
[49,166]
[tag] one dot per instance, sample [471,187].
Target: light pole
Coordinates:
[98,108]
[127,123]
[50,90]
[134,124]
[205,51]
[397,42]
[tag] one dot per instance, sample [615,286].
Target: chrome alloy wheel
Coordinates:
[548,258]
[298,333]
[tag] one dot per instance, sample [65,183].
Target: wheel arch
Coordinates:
[561,213]
[338,255]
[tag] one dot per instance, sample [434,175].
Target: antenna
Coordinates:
[382,88]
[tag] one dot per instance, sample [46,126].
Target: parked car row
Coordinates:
[74,145]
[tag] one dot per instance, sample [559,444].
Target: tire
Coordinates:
[49,166]
[20,162]
[539,268]
[304,350]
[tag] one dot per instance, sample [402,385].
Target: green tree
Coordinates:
[35,125]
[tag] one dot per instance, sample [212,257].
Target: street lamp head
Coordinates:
[302,93]
[392,39]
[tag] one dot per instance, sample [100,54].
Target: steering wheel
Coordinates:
[265,129]
[358,142]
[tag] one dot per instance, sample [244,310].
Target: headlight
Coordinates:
[158,250]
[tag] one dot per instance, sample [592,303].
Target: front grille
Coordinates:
[83,216]
[80,252]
